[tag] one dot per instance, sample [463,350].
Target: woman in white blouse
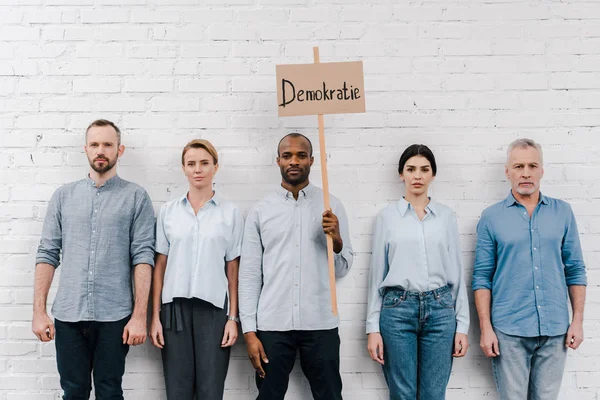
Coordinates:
[418,311]
[195,282]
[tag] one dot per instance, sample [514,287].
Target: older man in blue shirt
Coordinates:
[528,262]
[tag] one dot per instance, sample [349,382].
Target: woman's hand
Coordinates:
[461,344]
[230,335]
[375,347]
[156,333]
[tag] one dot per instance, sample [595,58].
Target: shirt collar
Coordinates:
[111,182]
[285,194]
[511,201]
[216,199]
[404,206]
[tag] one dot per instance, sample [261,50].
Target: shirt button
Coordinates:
[90,272]
[95,211]
[524,212]
[537,287]
[98,194]
[535,248]
[539,306]
[535,267]
[94,231]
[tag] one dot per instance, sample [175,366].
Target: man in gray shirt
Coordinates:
[284,280]
[104,228]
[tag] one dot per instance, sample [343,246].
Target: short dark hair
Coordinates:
[104,122]
[295,135]
[417,150]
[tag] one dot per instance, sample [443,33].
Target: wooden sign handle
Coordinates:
[326,202]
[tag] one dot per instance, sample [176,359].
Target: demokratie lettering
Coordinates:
[344,93]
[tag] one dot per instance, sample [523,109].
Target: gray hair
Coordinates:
[524,143]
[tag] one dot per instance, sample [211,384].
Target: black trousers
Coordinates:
[194,363]
[319,359]
[89,347]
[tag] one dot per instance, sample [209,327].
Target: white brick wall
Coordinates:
[465,78]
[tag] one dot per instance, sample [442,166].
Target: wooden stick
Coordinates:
[326,202]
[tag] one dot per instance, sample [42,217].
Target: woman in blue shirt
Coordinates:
[195,283]
[418,312]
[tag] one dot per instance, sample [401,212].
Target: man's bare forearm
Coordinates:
[483,302]
[577,297]
[44,273]
[142,278]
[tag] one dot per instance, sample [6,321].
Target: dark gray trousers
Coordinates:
[195,365]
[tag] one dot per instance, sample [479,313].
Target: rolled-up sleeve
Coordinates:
[234,249]
[344,259]
[572,256]
[377,273]
[250,275]
[142,232]
[162,241]
[51,242]
[485,256]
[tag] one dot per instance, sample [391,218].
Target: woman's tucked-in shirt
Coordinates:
[198,246]
[418,256]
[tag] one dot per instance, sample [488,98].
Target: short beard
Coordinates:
[296,181]
[526,192]
[107,167]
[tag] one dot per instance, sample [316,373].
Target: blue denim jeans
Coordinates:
[529,367]
[418,339]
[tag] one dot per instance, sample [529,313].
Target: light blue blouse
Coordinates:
[198,246]
[417,255]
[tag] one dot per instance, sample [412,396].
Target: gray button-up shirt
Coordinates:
[284,278]
[102,233]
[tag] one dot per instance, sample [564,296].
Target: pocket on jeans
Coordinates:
[446,300]
[391,300]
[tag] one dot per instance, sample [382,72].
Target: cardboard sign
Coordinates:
[328,88]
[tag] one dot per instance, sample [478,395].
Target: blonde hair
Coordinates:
[200,144]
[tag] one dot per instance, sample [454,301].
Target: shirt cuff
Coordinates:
[248,324]
[233,254]
[47,260]
[481,285]
[462,328]
[577,281]
[143,259]
[162,250]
